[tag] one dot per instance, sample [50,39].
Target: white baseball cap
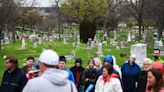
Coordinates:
[49,57]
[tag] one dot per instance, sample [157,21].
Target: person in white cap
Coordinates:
[51,78]
[130,71]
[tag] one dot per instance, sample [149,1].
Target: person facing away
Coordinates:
[142,78]
[51,79]
[89,77]
[108,81]
[77,71]
[14,79]
[130,72]
[62,66]
[156,54]
[155,81]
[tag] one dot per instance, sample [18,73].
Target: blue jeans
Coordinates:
[80,89]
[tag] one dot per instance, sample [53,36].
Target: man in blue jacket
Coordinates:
[14,79]
[130,72]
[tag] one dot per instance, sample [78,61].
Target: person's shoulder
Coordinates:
[125,64]
[21,72]
[70,72]
[136,65]
[36,81]
[100,77]
[72,68]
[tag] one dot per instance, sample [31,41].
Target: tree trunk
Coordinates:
[1,37]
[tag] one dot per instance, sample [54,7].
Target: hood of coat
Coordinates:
[56,76]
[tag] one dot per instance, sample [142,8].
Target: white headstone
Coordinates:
[78,40]
[64,39]
[160,43]
[92,44]
[115,35]
[105,37]
[99,53]
[117,47]
[1,42]
[6,40]
[89,43]
[99,47]
[140,50]
[129,37]
[23,43]
[39,40]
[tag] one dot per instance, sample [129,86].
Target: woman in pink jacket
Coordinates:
[108,81]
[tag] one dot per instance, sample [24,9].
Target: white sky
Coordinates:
[40,3]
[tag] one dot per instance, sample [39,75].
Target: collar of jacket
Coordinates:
[109,77]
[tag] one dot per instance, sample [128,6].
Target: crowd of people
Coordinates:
[50,74]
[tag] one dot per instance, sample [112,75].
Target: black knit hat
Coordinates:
[62,58]
[78,60]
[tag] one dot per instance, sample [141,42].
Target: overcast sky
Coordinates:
[41,3]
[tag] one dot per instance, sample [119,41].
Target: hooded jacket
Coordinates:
[112,84]
[130,74]
[52,80]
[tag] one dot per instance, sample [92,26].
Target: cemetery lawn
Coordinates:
[61,49]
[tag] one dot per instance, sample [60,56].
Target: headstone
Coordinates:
[133,37]
[117,47]
[161,47]
[1,42]
[50,40]
[6,40]
[78,40]
[23,43]
[45,37]
[140,50]
[105,37]
[156,42]
[39,39]
[100,53]
[32,37]
[89,43]
[129,37]
[64,39]
[72,54]
[115,35]
[73,44]
[92,44]
[98,35]
[122,44]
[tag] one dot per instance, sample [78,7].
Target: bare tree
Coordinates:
[58,11]
[9,16]
[137,9]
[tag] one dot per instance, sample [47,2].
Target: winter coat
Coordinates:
[91,75]
[13,81]
[111,85]
[141,82]
[70,75]
[52,80]
[80,70]
[130,74]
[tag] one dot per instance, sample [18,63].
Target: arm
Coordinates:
[97,85]
[117,86]
[22,83]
